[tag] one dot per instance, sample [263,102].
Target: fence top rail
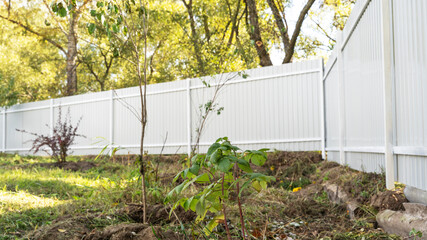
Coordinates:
[353,20]
[283,70]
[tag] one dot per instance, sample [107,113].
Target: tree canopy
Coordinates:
[53,49]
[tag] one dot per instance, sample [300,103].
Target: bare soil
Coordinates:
[84,227]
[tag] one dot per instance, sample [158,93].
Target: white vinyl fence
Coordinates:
[376,91]
[276,107]
[368,107]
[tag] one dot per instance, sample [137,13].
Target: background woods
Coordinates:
[54,49]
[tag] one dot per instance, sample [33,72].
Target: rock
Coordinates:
[403,222]
[338,196]
[335,194]
[415,195]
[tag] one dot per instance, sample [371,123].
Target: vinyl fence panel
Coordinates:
[410,51]
[277,107]
[381,65]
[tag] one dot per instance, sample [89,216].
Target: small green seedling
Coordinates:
[220,172]
[415,234]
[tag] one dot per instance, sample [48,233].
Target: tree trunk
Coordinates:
[291,48]
[194,37]
[255,34]
[72,57]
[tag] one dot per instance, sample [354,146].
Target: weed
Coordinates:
[415,234]
[60,140]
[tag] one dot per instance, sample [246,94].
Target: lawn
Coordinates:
[41,200]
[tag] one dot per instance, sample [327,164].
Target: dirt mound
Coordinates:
[135,231]
[157,214]
[85,227]
[392,200]
[282,159]
[292,169]
[64,229]
[71,166]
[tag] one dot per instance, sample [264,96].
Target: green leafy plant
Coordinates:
[415,234]
[220,173]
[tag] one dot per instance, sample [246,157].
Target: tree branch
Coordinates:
[298,25]
[54,43]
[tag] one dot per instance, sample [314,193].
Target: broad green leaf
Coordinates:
[225,164]
[187,203]
[213,223]
[263,184]
[244,165]
[62,12]
[204,178]
[257,159]
[177,176]
[194,169]
[200,207]
[216,156]
[93,13]
[212,149]
[256,186]
[91,28]
[193,204]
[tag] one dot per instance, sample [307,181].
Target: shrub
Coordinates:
[59,142]
[220,173]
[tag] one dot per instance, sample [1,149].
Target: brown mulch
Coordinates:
[82,227]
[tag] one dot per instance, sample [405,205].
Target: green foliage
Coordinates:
[38,68]
[8,95]
[415,234]
[218,173]
[33,195]
[290,185]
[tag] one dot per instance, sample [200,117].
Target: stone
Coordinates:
[403,222]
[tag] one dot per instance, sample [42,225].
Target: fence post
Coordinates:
[111,121]
[189,117]
[4,130]
[387,48]
[322,109]
[341,87]
[51,116]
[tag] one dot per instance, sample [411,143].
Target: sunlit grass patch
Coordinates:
[21,201]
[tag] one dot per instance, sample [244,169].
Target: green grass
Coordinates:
[31,196]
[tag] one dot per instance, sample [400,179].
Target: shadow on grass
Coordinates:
[18,224]
[14,224]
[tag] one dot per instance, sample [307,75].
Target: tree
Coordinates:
[65,15]
[29,66]
[278,10]
[126,24]
[325,19]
